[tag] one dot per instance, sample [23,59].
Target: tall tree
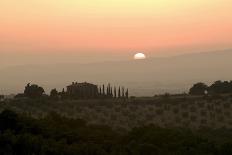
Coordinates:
[119,92]
[100,91]
[127,93]
[108,90]
[33,91]
[103,90]
[123,92]
[111,92]
[54,94]
[220,87]
[115,92]
[198,89]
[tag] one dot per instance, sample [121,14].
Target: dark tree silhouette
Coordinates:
[8,120]
[198,89]
[219,87]
[123,92]
[115,92]
[54,93]
[103,90]
[33,91]
[119,92]
[127,93]
[111,92]
[63,94]
[108,90]
[100,91]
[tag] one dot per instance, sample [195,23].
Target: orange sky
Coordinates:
[37,25]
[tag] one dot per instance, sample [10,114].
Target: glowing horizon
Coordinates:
[115,24]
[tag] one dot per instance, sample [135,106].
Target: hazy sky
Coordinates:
[119,26]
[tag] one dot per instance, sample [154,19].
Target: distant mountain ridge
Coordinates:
[143,77]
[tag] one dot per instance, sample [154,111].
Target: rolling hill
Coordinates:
[144,77]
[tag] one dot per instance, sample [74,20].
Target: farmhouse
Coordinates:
[82,90]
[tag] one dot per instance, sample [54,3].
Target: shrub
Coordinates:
[203,113]
[193,109]
[227,114]
[221,119]
[176,111]
[184,106]
[185,114]
[203,121]
[159,111]
[193,118]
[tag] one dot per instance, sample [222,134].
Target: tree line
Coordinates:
[35,91]
[218,87]
[113,92]
[200,88]
[53,134]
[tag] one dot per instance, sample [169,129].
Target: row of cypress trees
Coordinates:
[113,92]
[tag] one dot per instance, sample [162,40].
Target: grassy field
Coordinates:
[163,111]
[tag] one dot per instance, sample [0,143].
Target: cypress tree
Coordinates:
[103,90]
[111,92]
[123,93]
[115,92]
[108,90]
[100,91]
[119,92]
[127,93]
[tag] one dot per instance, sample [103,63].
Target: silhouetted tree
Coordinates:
[54,94]
[115,92]
[103,90]
[33,91]
[8,120]
[111,92]
[219,87]
[127,93]
[119,92]
[198,89]
[123,92]
[108,90]
[63,94]
[100,91]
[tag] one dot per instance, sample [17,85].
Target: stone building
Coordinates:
[82,90]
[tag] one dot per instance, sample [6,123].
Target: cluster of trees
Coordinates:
[57,135]
[113,92]
[32,91]
[35,91]
[218,87]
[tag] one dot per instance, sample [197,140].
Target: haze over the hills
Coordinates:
[145,77]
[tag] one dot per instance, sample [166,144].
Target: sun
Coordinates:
[139,56]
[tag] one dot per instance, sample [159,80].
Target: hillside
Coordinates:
[172,111]
[145,77]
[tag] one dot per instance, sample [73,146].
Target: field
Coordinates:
[164,111]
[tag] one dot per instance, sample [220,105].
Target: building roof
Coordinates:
[83,84]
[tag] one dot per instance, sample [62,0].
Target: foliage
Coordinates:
[54,94]
[59,135]
[218,87]
[198,89]
[33,91]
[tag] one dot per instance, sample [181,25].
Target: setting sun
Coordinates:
[127,77]
[139,56]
